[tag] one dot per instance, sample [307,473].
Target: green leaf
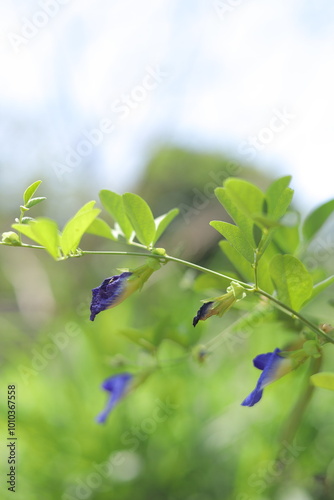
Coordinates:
[287,238]
[113,203]
[77,226]
[141,218]
[100,228]
[44,231]
[325,380]
[247,197]
[316,219]
[25,220]
[246,270]
[234,235]
[243,202]
[242,265]
[278,197]
[266,222]
[34,201]
[29,192]
[11,238]
[292,280]
[162,222]
[245,223]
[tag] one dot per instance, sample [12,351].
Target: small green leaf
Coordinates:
[287,238]
[44,231]
[113,203]
[162,222]
[34,201]
[325,380]
[292,280]
[25,220]
[77,226]
[29,192]
[316,219]
[244,203]
[245,223]
[100,228]
[141,218]
[234,235]
[10,238]
[246,196]
[279,197]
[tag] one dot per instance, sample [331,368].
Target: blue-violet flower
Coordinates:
[273,366]
[117,386]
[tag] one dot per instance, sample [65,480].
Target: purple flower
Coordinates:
[273,367]
[114,290]
[117,386]
[111,292]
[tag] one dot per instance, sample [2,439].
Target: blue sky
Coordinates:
[90,89]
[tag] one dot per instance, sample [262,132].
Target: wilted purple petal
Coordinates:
[202,312]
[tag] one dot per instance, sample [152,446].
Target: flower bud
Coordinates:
[11,238]
[219,305]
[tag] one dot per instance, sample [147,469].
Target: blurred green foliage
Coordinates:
[182,435]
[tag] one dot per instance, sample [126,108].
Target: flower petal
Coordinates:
[270,364]
[262,360]
[202,312]
[108,294]
[253,397]
[116,385]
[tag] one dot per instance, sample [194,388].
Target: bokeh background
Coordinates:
[166,99]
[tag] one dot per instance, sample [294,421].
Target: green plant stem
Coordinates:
[256,263]
[25,245]
[291,312]
[169,258]
[293,421]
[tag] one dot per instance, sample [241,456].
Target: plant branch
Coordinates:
[291,312]
[168,258]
